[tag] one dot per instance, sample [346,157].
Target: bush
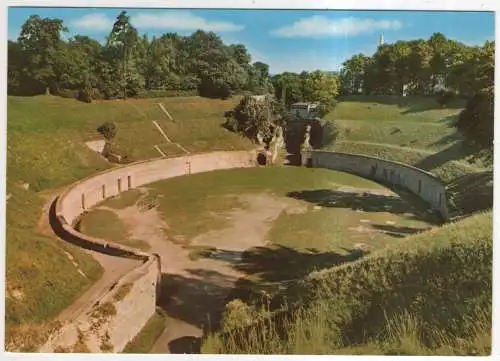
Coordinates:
[445,97]
[475,123]
[85,96]
[68,93]
[108,130]
[323,109]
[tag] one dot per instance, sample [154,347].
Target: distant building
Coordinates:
[381,40]
[303,110]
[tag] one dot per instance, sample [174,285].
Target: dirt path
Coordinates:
[195,290]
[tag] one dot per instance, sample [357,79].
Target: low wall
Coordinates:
[419,182]
[110,328]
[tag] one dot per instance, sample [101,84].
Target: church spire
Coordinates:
[381,40]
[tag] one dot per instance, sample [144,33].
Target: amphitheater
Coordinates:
[140,273]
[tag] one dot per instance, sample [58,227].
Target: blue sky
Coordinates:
[287,40]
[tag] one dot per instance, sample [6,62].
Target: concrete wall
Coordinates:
[419,182]
[135,309]
[91,191]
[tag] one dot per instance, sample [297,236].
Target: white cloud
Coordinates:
[96,22]
[168,20]
[321,26]
[181,20]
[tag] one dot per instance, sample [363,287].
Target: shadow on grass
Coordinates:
[414,104]
[397,231]
[471,193]
[185,345]
[403,202]
[280,263]
[365,202]
[433,161]
[447,139]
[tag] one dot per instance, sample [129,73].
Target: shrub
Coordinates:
[475,123]
[108,130]
[445,97]
[323,109]
[68,93]
[85,95]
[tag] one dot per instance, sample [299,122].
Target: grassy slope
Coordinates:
[411,130]
[45,148]
[429,294]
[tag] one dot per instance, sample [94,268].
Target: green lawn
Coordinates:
[188,204]
[393,108]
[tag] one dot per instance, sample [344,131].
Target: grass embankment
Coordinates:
[43,274]
[45,152]
[144,341]
[412,130]
[429,294]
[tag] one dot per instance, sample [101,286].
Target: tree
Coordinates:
[40,42]
[122,51]
[352,75]
[257,117]
[476,123]
[107,130]
[288,88]
[323,88]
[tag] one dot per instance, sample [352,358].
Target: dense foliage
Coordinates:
[476,123]
[420,67]
[316,86]
[256,117]
[108,130]
[128,65]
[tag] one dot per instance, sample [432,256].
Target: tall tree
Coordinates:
[40,41]
[352,75]
[123,45]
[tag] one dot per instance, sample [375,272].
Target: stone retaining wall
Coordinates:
[419,182]
[112,321]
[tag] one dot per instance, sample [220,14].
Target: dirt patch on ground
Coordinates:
[377,192]
[96,145]
[195,289]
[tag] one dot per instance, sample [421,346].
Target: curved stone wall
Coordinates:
[131,311]
[419,182]
[101,328]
